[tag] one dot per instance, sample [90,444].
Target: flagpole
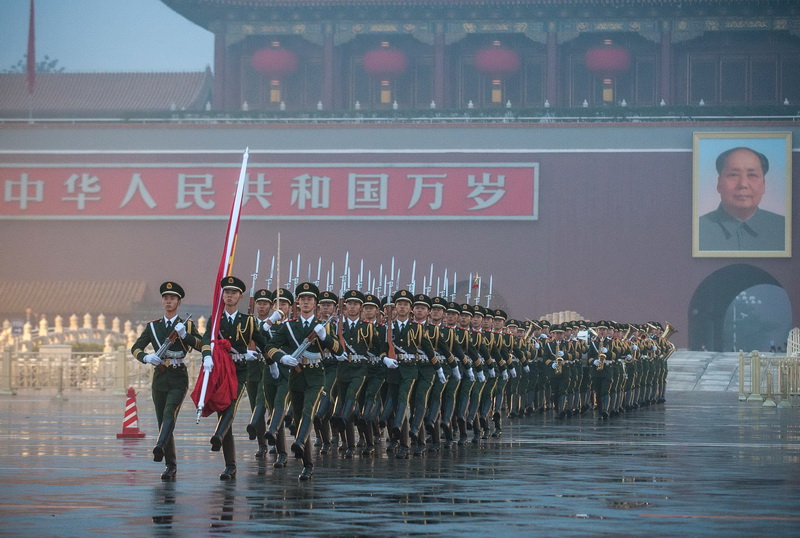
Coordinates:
[225,267]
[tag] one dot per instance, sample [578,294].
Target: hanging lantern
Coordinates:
[607,61]
[385,64]
[497,63]
[276,63]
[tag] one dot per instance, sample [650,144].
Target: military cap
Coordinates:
[438,302]
[328,297]
[371,299]
[478,310]
[232,283]
[402,295]
[284,294]
[512,323]
[263,295]
[306,288]
[354,295]
[422,299]
[172,288]
[488,313]
[556,329]
[466,309]
[601,325]
[453,307]
[384,300]
[500,314]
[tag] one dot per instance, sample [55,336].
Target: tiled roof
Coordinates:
[66,298]
[110,92]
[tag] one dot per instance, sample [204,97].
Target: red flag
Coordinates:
[223,375]
[31,69]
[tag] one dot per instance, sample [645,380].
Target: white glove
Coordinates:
[505,375]
[288,360]
[596,362]
[654,348]
[536,345]
[513,372]
[440,373]
[560,353]
[553,365]
[629,357]
[275,317]
[526,369]
[390,363]
[320,330]
[457,373]
[180,328]
[604,349]
[250,355]
[481,377]
[274,370]
[152,358]
[341,358]
[208,364]
[635,347]
[470,374]
[492,372]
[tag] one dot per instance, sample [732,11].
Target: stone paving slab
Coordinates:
[703,463]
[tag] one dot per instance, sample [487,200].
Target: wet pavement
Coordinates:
[703,463]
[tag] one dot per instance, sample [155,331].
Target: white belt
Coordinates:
[311,359]
[373,359]
[406,357]
[422,357]
[238,356]
[174,355]
[174,363]
[358,358]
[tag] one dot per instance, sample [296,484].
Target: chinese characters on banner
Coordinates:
[288,191]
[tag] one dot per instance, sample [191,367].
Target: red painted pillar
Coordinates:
[327,69]
[438,67]
[551,89]
[220,71]
[666,66]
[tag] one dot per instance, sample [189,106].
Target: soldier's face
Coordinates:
[498,323]
[451,318]
[369,312]
[464,320]
[402,309]
[352,308]
[231,297]
[170,302]
[741,184]
[477,321]
[437,315]
[421,312]
[326,309]
[487,324]
[306,304]
[263,308]
[284,306]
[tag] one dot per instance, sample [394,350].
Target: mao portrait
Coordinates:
[742,194]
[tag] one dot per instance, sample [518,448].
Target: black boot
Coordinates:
[256,418]
[229,472]
[275,422]
[223,426]
[170,472]
[280,461]
[167,425]
[299,445]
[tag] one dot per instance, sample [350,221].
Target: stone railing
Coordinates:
[768,379]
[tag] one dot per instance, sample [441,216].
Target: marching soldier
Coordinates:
[276,385]
[255,372]
[322,427]
[170,379]
[307,377]
[376,375]
[470,342]
[240,330]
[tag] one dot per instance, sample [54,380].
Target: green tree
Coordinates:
[45,65]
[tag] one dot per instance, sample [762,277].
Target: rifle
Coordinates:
[170,340]
[252,303]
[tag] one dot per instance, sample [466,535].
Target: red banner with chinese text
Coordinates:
[502,191]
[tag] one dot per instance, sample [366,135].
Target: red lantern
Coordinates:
[497,62]
[385,63]
[607,61]
[274,62]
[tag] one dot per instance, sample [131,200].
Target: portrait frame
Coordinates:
[775,202]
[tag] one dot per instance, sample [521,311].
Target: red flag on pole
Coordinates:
[216,391]
[31,68]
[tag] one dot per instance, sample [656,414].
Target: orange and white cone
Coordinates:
[130,422]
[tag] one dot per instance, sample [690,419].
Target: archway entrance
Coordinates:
[713,299]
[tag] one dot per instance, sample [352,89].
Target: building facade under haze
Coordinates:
[589,204]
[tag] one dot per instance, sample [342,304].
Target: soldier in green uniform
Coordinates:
[492,360]
[428,369]
[503,346]
[256,370]
[465,374]
[555,356]
[170,378]
[275,383]
[408,338]
[470,341]
[482,369]
[307,377]
[376,375]
[328,302]
[359,340]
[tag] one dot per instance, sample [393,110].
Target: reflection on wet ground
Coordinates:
[702,463]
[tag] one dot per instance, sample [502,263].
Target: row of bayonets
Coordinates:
[379,284]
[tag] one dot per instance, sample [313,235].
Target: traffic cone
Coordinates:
[130,422]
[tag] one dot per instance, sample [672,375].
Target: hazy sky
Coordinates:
[105,35]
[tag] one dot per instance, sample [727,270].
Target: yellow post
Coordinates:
[742,395]
[783,383]
[5,374]
[769,401]
[121,372]
[755,378]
